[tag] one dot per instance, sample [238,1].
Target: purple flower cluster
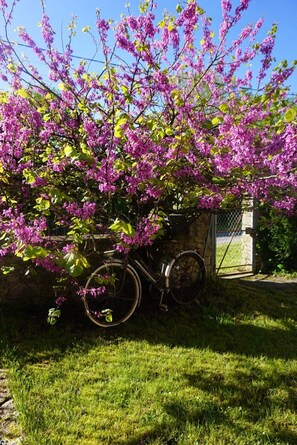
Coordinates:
[169,118]
[86,211]
[92,291]
[47,30]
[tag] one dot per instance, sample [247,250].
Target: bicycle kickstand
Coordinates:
[162,307]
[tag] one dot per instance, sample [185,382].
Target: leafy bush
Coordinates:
[277,241]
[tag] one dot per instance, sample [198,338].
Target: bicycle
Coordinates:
[114,290]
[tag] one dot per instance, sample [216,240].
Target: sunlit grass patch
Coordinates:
[229,256]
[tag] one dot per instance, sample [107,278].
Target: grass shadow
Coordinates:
[224,324]
[237,319]
[250,391]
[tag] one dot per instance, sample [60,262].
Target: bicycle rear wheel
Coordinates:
[112,293]
[186,277]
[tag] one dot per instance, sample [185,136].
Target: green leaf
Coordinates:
[23,93]
[56,195]
[128,229]
[68,150]
[7,269]
[118,132]
[125,89]
[69,257]
[169,131]
[171,26]
[75,270]
[119,165]
[207,124]
[30,178]
[224,108]
[217,120]
[75,263]
[42,204]
[31,252]
[12,67]
[290,115]
[122,226]
[100,280]
[217,180]
[108,318]
[107,314]
[116,226]
[53,315]
[46,117]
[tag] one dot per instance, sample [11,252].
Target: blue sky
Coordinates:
[284,12]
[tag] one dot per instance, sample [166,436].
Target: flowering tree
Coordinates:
[169,121]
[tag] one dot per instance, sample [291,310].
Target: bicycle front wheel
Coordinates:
[112,293]
[186,277]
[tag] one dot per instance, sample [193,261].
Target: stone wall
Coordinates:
[37,286]
[31,287]
[247,239]
[198,236]
[10,431]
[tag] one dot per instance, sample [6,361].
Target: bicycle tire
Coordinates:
[185,277]
[121,293]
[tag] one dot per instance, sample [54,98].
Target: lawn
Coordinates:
[229,257]
[221,373]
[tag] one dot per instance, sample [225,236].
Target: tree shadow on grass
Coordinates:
[236,406]
[224,325]
[251,392]
[236,411]
[237,318]
[276,300]
[218,334]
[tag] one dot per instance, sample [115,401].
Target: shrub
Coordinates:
[277,241]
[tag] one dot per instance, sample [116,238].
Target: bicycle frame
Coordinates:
[145,270]
[180,274]
[161,279]
[158,280]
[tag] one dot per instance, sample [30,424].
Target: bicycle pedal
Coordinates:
[163,307]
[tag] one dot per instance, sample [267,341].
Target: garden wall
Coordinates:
[37,286]
[19,285]
[198,236]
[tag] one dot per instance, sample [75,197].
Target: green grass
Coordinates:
[224,373]
[232,257]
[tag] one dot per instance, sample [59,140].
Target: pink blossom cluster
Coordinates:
[92,291]
[169,119]
[22,232]
[86,211]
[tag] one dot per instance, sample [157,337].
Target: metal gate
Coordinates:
[234,251]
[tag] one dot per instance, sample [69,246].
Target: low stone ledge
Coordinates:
[9,427]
